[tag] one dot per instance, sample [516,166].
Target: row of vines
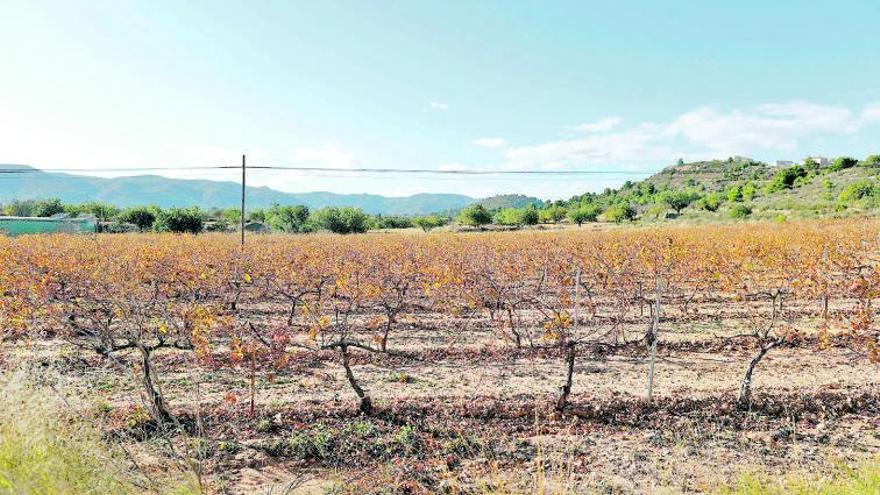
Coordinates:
[279,298]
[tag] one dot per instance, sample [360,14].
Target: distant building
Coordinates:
[784,163]
[32,225]
[821,160]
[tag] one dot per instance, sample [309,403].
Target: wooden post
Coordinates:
[654,325]
[577,292]
[243,180]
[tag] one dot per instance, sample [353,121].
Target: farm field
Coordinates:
[509,362]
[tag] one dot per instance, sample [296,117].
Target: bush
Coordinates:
[842,163]
[179,220]
[710,202]
[739,211]
[749,191]
[863,190]
[584,213]
[620,213]
[786,178]
[734,194]
[341,220]
[475,216]
[871,161]
[141,216]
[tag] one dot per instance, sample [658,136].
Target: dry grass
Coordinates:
[47,448]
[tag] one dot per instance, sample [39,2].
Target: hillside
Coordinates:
[165,192]
[740,188]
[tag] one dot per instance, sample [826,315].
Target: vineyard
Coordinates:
[423,363]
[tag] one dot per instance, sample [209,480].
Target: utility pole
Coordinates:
[243,179]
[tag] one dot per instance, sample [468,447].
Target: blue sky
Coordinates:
[622,86]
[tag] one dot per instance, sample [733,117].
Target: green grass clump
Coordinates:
[862,480]
[45,448]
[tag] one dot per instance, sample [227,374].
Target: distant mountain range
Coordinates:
[165,192]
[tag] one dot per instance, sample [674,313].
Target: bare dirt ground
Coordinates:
[464,411]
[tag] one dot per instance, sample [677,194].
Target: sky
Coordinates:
[620,87]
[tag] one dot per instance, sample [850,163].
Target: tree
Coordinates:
[842,163]
[584,213]
[340,220]
[141,216]
[429,222]
[48,207]
[179,220]
[529,215]
[291,219]
[620,213]
[102,211]
[475,216]
[508,216]
[257,215]
[678,200]
[552,214]
[232,216]
[20,208]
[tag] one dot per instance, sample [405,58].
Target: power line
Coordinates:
[360,170]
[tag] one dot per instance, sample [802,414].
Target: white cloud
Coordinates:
[489,142]
[603,125]
[438,105]
[871,114]
[704,132]
[328,155]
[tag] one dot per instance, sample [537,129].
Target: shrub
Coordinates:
[475,216]
[739,211]
[179,220]
[842,163]
[785,178]
[734,194]
[748,191]
[620,213]
[871,161]
[710,202]
[584,213]
[858,191]
[341,220]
